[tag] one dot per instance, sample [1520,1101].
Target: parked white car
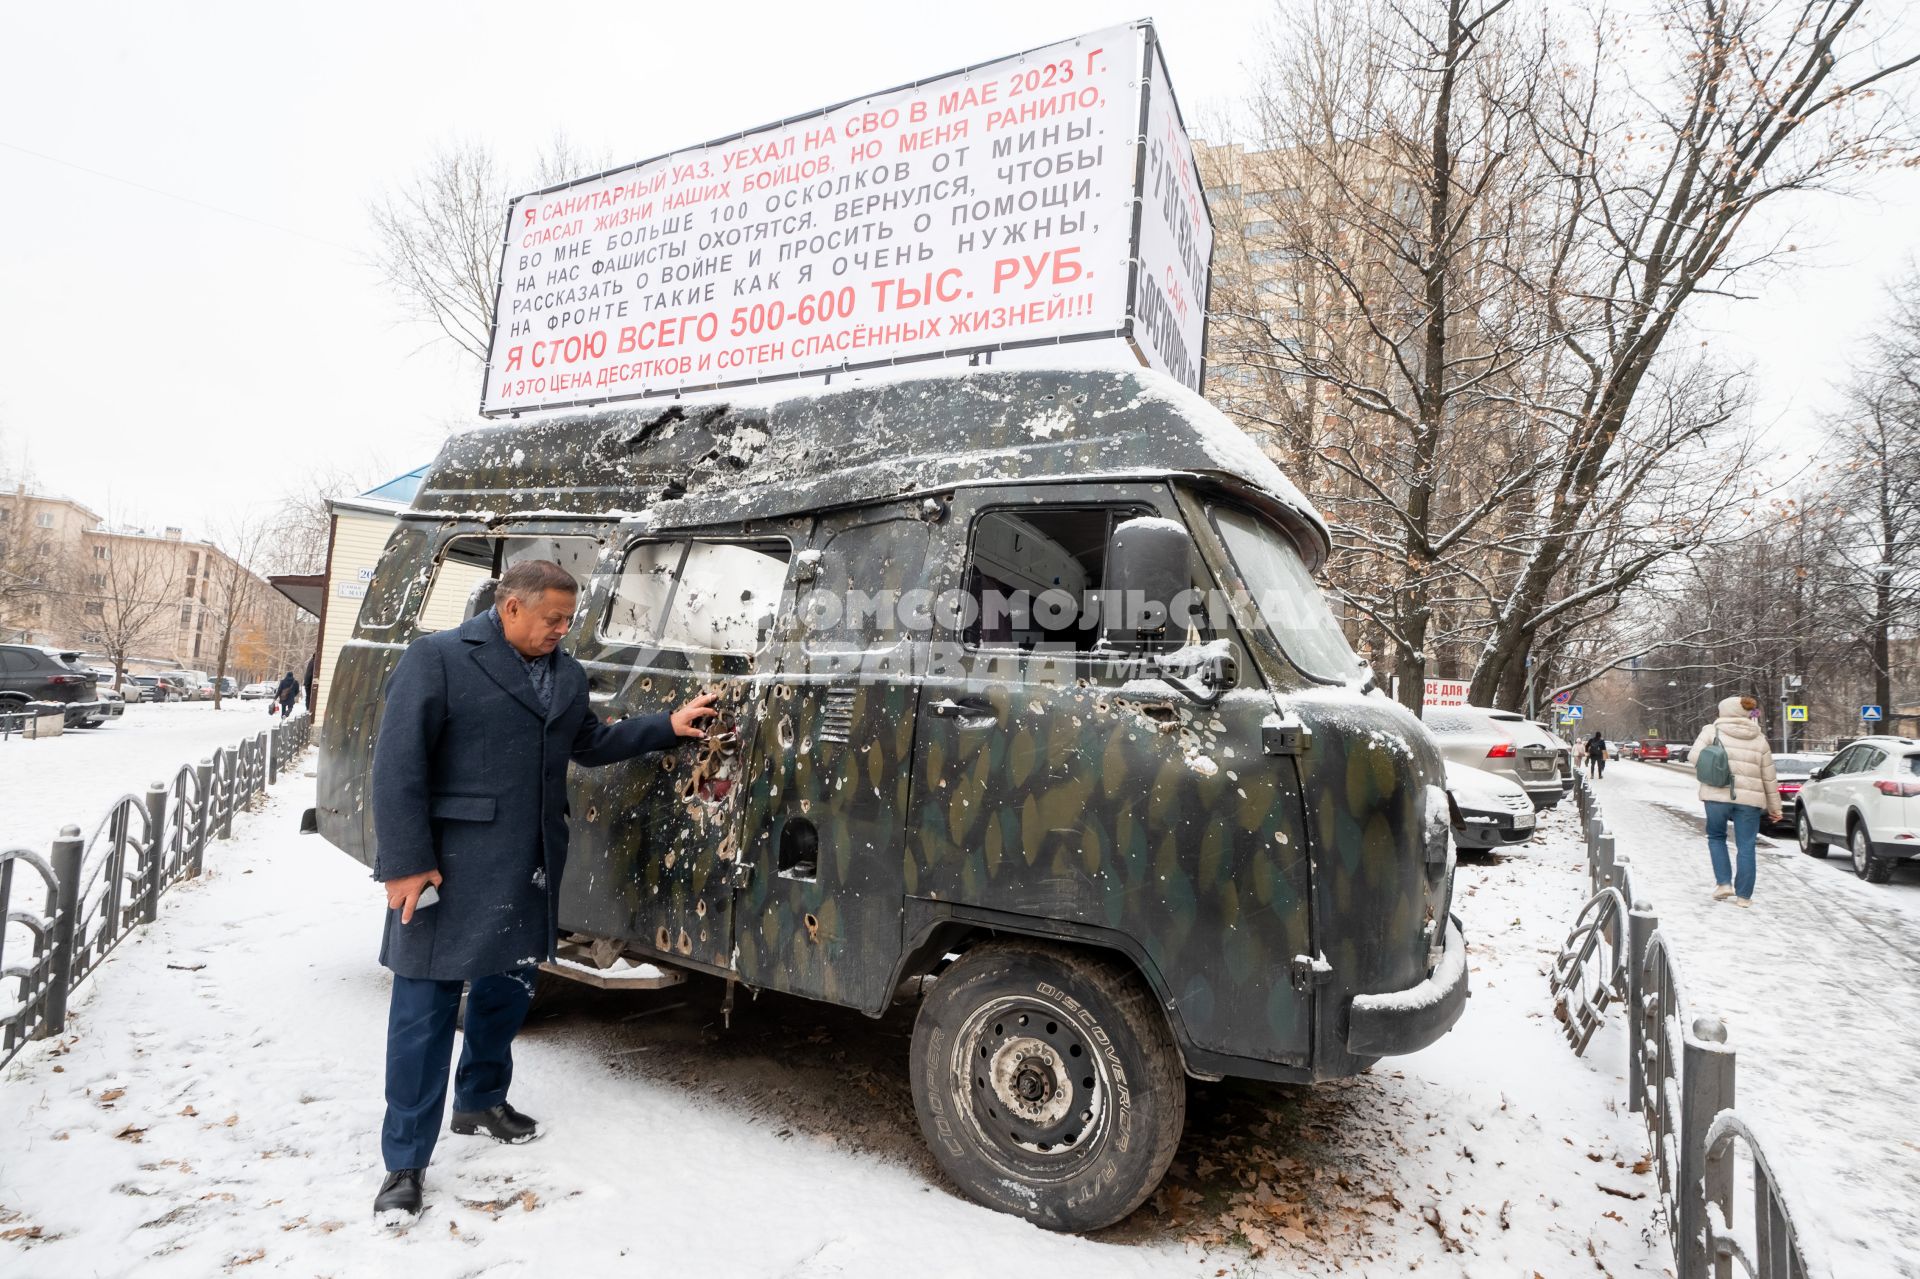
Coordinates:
[1867,799]
[254,692]
[1489,811]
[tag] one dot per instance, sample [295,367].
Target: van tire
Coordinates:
[1002,1027]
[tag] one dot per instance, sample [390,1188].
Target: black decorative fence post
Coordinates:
[153,869]
[273,754]
[67,851]
[1706,1089]
[203,819]
[229,770]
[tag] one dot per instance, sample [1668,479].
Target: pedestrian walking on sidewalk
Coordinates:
[1596,755]
[1734,766]
[470,822]
[286,694]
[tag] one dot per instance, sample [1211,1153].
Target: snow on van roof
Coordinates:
[784,450]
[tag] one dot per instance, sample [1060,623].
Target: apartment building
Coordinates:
[67,580]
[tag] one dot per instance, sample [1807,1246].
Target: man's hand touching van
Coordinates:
[686,720]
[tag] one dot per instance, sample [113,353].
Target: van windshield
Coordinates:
[1286,596]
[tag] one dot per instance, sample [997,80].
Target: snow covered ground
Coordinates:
[1819,985]
[74,777]
[214,1110]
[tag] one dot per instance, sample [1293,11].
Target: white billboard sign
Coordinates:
[1445,692]
[1013,203]
[1174,239]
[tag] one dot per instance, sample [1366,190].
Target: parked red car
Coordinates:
[1649,751]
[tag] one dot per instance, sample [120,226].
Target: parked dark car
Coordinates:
[29,673]
[1792,772]
[1679,754]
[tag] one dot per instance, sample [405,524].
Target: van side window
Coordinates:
[468,566]
[1035,574]
[711,597]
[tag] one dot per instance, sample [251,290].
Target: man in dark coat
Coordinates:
[470,833]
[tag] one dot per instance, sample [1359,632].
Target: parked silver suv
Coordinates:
[1502,743]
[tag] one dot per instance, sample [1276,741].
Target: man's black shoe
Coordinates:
[501,1122]
[398,1203]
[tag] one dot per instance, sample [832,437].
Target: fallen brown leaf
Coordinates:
[112,1095]
[189,1112]
[132,1132]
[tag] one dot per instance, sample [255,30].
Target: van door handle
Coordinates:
[972,712]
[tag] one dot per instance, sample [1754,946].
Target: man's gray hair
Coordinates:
[528,580]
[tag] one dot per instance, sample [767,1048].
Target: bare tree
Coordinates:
[235,594]
[1656,188]
[440,235]
[1878,481]
[1394,188]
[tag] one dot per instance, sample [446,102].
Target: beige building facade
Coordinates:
[163,600]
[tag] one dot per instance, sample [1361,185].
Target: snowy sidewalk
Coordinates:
[1819,985]
[214,1110]
[75,776]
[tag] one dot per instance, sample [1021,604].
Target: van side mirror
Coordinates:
[1149,569]
[1149,565]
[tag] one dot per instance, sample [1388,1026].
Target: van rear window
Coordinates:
[710,597]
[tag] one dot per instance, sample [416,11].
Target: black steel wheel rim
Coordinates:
[1037,1089]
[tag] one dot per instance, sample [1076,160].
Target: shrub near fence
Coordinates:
[1680,1076]
[92,892]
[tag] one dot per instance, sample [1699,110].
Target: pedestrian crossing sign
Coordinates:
[1870,713]
[1796,714]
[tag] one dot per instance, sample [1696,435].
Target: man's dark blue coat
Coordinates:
[470,778]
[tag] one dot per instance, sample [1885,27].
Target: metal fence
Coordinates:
[1680,1076]
[92,891]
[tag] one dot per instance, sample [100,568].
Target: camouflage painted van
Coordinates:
[1031,711]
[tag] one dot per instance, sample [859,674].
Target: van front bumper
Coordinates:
[1404,1021]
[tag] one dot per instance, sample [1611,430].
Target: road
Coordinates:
[1819,985]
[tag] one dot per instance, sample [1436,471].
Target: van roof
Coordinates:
[772,453]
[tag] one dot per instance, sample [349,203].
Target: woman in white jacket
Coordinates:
[1753,792]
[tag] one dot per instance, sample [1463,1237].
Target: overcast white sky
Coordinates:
[169,363]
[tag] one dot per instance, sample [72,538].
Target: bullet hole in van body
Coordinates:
[799,849]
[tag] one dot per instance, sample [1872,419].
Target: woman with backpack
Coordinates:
[1734,766]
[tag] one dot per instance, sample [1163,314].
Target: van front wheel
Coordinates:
[1047,1083]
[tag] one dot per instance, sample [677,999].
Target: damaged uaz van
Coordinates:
[1031,710]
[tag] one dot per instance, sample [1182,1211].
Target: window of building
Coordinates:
[99,552]
[193,563]
[1263,226]
[98,581]
[95,608]
[6,514]
[708,597]
[44,519]
[186,617]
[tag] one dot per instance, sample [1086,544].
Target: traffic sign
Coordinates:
[1562,699]
[1796,714]
[1574,712]
[1870,713]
